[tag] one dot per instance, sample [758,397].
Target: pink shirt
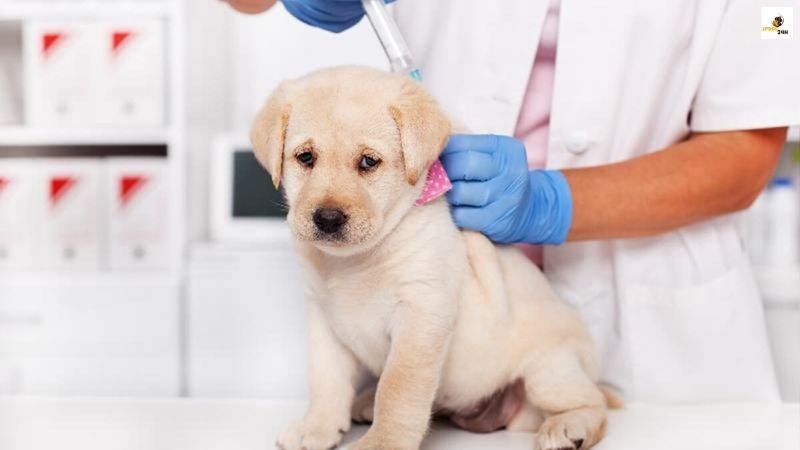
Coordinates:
[533,124]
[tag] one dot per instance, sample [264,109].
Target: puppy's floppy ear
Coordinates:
[423,127]
[268,134]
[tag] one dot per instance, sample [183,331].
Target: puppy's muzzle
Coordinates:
[329,220]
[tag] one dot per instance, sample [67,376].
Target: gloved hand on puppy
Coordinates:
[495,193]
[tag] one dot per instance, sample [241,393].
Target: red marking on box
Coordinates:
[3,183]
[128,186]
[59,186]
[49,41]
[118,38]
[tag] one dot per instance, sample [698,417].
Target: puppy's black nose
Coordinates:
[329,220]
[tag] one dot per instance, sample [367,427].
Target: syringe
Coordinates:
[392,41]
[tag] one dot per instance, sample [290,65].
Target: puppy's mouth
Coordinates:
[314,236]
[338,238]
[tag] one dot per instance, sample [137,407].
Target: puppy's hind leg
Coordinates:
[529,418]
[557,384]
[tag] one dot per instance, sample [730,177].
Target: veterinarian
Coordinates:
[622,136]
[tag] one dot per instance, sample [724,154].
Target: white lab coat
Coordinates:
[677,317]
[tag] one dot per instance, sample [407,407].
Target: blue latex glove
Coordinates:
[331,15]
[495,193]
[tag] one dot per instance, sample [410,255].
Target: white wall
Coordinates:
[208,98]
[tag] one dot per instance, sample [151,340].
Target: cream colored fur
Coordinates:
[443,317]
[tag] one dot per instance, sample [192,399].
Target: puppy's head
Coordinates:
[352,147]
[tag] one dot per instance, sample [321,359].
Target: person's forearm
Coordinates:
[707,175]
[252,6]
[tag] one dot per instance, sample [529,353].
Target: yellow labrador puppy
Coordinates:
[450,323]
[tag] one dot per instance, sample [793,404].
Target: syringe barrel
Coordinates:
[392,41]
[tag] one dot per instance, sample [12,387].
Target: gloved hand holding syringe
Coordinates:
[340,15]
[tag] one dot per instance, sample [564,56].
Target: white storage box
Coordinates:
[247,324]
[132,73]
[95,72]
[16,215]
[60,70]
[137,217]
[68,202]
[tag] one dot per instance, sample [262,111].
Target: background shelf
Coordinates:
[25,9]
[94,278]
[25,136]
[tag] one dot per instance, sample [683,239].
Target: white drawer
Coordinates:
[247,330]
[89,334]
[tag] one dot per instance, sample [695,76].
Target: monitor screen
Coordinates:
[253,193]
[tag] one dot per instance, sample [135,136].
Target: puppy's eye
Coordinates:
[305,158]
[368,163]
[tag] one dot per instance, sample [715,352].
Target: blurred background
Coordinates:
[142,250]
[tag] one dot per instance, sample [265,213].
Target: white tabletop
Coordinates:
[193,424]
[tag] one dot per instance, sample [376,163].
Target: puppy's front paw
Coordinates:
[560,433]
[308,435]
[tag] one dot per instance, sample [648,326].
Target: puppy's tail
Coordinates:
[613,399]
[485,264]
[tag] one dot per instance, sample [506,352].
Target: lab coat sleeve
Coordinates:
[749,82]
